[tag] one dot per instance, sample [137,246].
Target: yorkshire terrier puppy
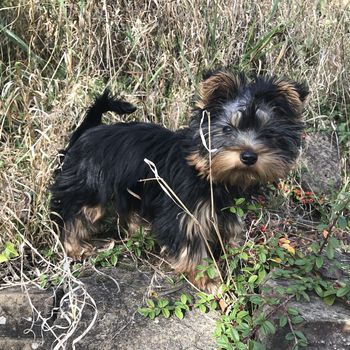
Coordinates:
[242,133]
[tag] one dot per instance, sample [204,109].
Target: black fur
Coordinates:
[104,164]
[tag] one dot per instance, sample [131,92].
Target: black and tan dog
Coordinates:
[241,133]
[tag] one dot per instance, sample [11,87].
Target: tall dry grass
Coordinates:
[55,55]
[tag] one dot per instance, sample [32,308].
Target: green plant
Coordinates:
[140,242]
[209,269]
[9,252]
[108,258]
[166,308]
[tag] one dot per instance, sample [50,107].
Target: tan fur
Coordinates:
[227,168]
[223,163]
[233,229]
[188,265]
[135,222]
[93,214]
[185,263]
[201,164]
[75,240]
[236,118]
[222,83]
[202,226]
[288,90]
[77,234]
[263,116]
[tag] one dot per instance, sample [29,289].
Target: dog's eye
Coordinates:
[227,129]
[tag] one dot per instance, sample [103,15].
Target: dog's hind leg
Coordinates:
[76,232]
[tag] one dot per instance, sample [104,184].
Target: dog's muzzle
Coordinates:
[248,157]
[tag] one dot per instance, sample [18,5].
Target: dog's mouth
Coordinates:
[245,167]
[241,167]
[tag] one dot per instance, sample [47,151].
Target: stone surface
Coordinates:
[111,298]
[117,293]
[321,164]
[325,327]
[18,329]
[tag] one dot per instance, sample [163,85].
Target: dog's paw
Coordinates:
[79,250]
[208,285]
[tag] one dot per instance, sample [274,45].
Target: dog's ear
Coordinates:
[293,92]
[218,87]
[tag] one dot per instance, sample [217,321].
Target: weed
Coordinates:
[55,55]
[8,252]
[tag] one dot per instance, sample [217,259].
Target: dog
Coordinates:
[242,133]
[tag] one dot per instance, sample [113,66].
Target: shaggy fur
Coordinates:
[241,133]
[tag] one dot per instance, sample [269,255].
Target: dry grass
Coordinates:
[55,55]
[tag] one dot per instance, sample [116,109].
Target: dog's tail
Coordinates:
[104,103]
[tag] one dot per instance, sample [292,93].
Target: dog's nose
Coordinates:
[248,157]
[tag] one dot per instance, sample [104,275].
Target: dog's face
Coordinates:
[246,132]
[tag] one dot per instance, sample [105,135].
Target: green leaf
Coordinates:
[244,256]
[252,207]
[162,303]
[235,335]
[267,327]
[184,298]
[290,336]
[242,314]
[270,326]
[233,210]
[262,257]
[213,305]
[255,299]
[329,300]
[114,260]
[211,272]
[143,311]
[330,251]
[252,279]
[318,290]
[202,308]
[3,258]
[240,346]
[333,242]
[179,314]
[262,274]
[166,313]
[244,327]
[150,303]
[239,201]
[10,250]
[315,247]
[297,320]
[300,335]
[254,345]
[342,222]
[283,321]
[157,311]
[321,227]
[293,311]
[305,296]
[223,342]
[240,212]
[300,262]
[341,292]
[319,262]
[330,291]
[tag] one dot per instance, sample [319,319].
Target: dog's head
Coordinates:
[246,131]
